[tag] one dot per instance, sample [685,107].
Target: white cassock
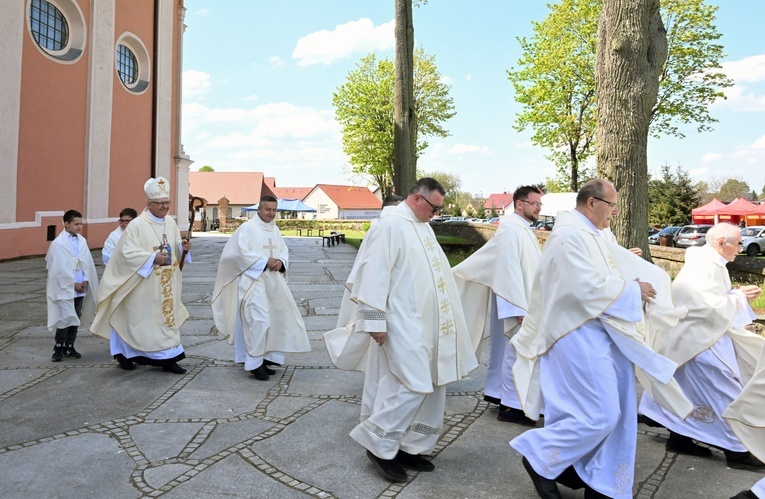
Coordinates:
[715,353]
[68,261]
[401,284]
[110,244]
[495,285]
[139,304]
[252,306]
[586,327]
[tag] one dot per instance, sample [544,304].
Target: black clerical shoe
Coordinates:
[492,400]
[743,461]
[649,422]
[271,363]
[685,445]
[58,353]
[389,468]
[268,370]
[174,368]
[745,494]
[545,487]
[593,494]
[414,461]
[125,363]
[70,352]
[260,373]
[510,415]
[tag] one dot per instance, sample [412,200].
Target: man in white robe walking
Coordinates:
[495,286]
[71,285]
[252,304]
[139,305]
[126,216]
[577,347]
[406,331]
[715,353]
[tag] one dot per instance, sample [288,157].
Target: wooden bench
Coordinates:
[333,238]
[309,232]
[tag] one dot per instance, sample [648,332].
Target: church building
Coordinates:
[90,108]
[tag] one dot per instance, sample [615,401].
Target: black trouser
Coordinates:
[67,335]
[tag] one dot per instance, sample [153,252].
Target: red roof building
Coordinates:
[498,202]
[242,189]
[338,202]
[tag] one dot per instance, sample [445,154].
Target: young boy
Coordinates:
[72,282]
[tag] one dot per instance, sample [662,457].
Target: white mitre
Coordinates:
[157,188]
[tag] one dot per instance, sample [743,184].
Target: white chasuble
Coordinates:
[267,314]
[403,286]
[62,263]
[746,416]
[504,266]
[145,312]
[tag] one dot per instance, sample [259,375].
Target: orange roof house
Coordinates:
[499,202]
[241,189]
[343,202]
[291,192]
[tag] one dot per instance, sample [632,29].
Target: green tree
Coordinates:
[206,168]
[450,182]
[364,108]
[733,188]
[554,80]
[671,197]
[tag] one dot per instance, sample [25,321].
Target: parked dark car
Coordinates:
[753,240]
[692,235]
[666,231]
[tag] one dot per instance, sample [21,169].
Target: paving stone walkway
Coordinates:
[85,428]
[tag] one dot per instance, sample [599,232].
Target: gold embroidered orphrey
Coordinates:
[168,304]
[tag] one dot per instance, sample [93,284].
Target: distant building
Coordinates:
[343,202]
[87,115]
[291,192]
[241,189]
[499,202]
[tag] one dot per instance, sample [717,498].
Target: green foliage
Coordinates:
[555,82]
[364,108]
[671,197]
[450,182]
[206,168]
[733,188]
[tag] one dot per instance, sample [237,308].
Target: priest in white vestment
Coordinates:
[716,354]
[252,304]
[126,216]
[390,202]
[139,304]
[495,286]
[577,348]
[71,285]
[404,327]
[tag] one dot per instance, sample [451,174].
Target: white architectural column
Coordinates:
[13,28]
[182,165]
[99,117]
[164,87]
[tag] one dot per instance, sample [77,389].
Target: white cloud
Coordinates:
[711,157]
[469,149]
[447,80]
[741,99]
[195,83]
[325,47]
[252,97]
[468,77]
[747,94]
[276,62]
[747,70]
[203,12]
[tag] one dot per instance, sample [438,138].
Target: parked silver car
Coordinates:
[692,235]
[666,231]
[753,240]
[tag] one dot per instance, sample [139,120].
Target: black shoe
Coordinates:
[593,494]
[58,353]
[745,494]
[125,363]
[260,373]
[413,461]
[70,352]
[510,415]
[492,400]
[174,368]
[271,363]
[268,370]
[743,461]
[389,468]
[685,445]
[545,487]
[649,422]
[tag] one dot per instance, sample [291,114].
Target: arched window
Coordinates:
[49,26]
[127,65]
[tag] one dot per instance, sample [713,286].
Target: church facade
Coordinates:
[90,108]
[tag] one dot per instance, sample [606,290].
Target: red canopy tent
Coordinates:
[740,209]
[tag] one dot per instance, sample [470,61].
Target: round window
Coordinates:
[132,62]
[58,28]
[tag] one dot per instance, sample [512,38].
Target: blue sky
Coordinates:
[259,77]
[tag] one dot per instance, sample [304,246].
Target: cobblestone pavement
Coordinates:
[87,428]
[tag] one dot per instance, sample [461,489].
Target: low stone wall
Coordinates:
[744,269]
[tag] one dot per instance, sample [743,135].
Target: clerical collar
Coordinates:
[525,222]
[156,219]
[591,225]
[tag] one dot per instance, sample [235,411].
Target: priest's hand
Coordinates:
[378,337]
[636,251]
[647,292]
[274,264]
[161,258]
[751,292]
[186,245]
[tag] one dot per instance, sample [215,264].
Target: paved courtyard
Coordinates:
[85,428]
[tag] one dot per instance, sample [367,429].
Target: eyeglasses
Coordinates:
[125,221]
[436,209]
[161,203]
[532,203]
[609,203]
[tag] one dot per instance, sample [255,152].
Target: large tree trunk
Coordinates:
[404,135]
[631,51]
